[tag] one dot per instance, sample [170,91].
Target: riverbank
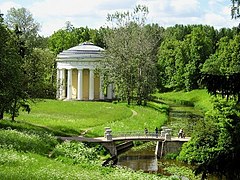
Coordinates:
[183,113]
[29,149]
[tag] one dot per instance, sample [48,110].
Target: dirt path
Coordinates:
[134,113]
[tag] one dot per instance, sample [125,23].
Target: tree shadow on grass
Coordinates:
[23,126]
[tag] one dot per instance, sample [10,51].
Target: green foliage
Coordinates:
[40,70]
[23,20]
[222,69]
[131,55]
[13,88]
[225,60]
[182,172]
[171,156]
[182,54]
[214,147]
[23,76]
[27,141]
[70,36]
[77,152]
[17,165]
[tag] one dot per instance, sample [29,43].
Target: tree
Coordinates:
[13,89]
[172,61]
[181,56]
[5,66]
[40,72]
[70,36]
[214,147]
[222,69]
[23,20]
[34,60]
[235,10]
[130,58]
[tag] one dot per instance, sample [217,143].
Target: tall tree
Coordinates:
[223,68]
[13,89]
[214,147]
[199,48]
[181,56]
[70,36]
[130,57]
[172,60]
[235,8]
[32,56]
[40,72]
[24,21]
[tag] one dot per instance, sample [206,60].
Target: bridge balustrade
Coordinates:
[134,134]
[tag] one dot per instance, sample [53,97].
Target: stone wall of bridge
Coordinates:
[166,147]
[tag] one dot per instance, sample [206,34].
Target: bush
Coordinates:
[27,141]
[74,152]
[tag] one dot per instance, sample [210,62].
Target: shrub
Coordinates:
[28,141]
[74,152]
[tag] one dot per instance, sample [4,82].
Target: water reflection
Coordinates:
[144,160]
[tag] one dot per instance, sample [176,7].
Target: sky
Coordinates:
[53,14]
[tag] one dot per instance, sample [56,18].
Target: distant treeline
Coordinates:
[184,52]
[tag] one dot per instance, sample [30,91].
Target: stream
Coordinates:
[180,116]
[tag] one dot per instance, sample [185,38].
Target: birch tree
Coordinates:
[130,55]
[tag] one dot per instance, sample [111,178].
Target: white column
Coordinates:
[109,91]
[58,84]
[101,95]
[62,84]
[69,84]
[80,86]
[91,84]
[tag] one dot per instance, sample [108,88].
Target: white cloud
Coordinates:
[214,19]
[226,11]
[184,6]
[53,14]
[63,8]
[155,5]
[218,20]
[5,6]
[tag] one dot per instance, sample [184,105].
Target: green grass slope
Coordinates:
[29,155]
[29,150]
[74,117]
[199,98]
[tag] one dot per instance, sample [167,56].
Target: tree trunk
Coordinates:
[129,100]
[129,97]
[14,110]
[1,115]
[145,102]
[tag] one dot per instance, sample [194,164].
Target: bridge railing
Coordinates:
[135,134]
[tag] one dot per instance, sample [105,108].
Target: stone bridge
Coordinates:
[165,142]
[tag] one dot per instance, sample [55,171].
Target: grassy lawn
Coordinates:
[141,118]
[200,99]
[27,155]
[18,166]
[74,117]
[26,149]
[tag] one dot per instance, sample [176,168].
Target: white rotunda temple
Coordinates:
[76,75]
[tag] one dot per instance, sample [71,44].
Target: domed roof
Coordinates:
[85,51]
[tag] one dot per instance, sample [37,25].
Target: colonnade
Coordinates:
[65,88]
